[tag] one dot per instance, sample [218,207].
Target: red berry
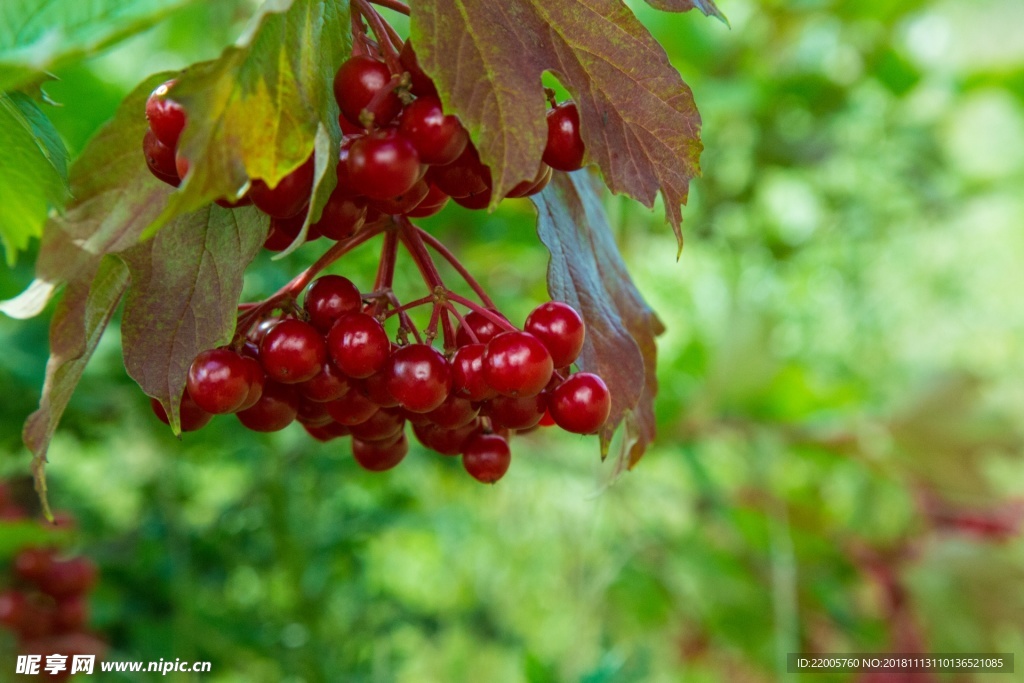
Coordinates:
[166,117]
[382,425]
[375,388]
[341,217]
[431,204]
[560,329]
[13,608]
[518,413]
[468,379]
[219,381]
[377,456]
[359,345]
[532,187]
[486,457]
[419,377]
[329,384]
[383,165]
[289,197]
[463,177]
[31,564]
[564,150]
[292,351]
[160,159]
[475,202]
[312,413]
[65,578]
[277,408]
[192,416]
[455,412]
[445,441]
[517,364]
[439,139]
[356,83]
[482,326]
[330,297]
[403,203]
[422,85]
[581,403]
[327,432]
[351,409]
[72,614]
[257,378]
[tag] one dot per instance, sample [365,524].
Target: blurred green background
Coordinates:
[838,466]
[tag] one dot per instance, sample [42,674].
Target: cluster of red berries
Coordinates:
[46,600]
[400,154]
[333,368]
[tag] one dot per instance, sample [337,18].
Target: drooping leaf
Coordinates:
[184,295]
[708,7]
[41,35]
[587,272]
[78,323]
[638,118]
[255,111]
[33,171]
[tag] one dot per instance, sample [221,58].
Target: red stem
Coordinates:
[410,305]
[414,245]
[377,24]
[456,264]
[487,313]
[386,269]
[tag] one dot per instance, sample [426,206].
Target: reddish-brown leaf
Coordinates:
[586,271]
[77,325]
[638,118]
[184,295]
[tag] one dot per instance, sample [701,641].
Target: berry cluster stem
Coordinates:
[379,27]
[395,5]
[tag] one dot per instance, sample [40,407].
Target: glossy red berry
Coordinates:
[517,364]
[431,204]
[375,388]
[219,381]
[192,416]
[564,150]
[581,403]
[330,297]
[356,83]
[312,413]
[160,159]
[468,379]
[359,345]
[483,327]
[486,457]
[445,441]
[522,412]
[560,329]
[292,351]
[464,177]
[455,412]
[378,456]
[166,117]
[438,138]
[13,608]
[351,409]
[529,188]
[383,165]
[257,378]
[289,197]
[341,217]
[475,202]
[419,377]
[329,384]
[277,408]
[382,425]
[327,432]
[403,203]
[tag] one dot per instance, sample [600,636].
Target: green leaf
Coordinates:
[256,110]
[78,323]
[708,7]
[186,282]
[40,35]
[638,118]
[33,172]
[587,272]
